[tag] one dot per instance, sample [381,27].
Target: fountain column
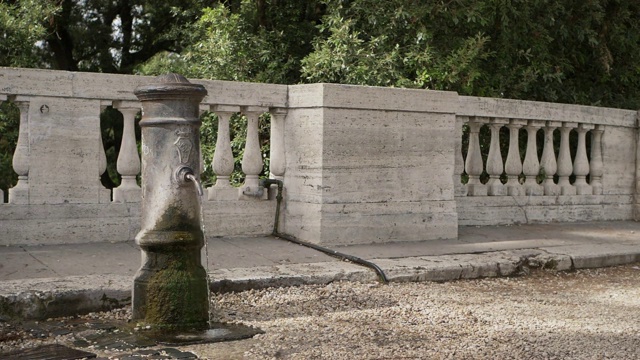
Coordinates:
[170,289]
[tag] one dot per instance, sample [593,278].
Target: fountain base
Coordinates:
[217,332]
[99,333]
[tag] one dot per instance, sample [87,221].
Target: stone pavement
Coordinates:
[47,280]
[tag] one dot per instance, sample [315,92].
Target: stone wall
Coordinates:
[359,164]
[369,164]
[614,201]
[62,199]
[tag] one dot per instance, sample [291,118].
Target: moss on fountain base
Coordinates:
[170,290]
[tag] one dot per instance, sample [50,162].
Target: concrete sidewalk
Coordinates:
[47,280]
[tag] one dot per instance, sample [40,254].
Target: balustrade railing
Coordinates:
[223,162]
[516,162]
[128,165]
[19,194]
[531,175]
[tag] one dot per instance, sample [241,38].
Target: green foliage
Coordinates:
[238,136]
[22,27]
[583,52]
[9,125]
[390,43]
[243,43]
[95,35]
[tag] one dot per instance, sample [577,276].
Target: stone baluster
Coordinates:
[596,169]
[223,162]
[458,169]
[19,194]
[3,98]
[202,109]
[565,165]
[277,155]
[128,163]
[548,160]
[495,166]
[581,162]
[252,159]
[531,165]
[513,164]
[473,164]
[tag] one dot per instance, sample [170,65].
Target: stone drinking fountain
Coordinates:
[171,297]
[171,290]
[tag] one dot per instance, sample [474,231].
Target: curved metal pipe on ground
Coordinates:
[268,182]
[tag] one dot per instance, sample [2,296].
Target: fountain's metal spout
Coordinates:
[184,174]
[191,177]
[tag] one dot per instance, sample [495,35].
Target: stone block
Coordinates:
[358,223]
[65,151]
[128,195]
[368,164]
[222,193]
[239,217]
[68,223]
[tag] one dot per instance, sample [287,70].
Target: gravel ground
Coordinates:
[588,314]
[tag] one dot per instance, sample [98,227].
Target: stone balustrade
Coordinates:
[359,164]
[573,167]
[521,174]
[60,158]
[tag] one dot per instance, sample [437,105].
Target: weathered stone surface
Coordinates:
[534,110]
[64,151]
[170,289]
[82,223]
[239,279]
[68,223]
[369,164]
[65,84]
[380,222]
[504,210]
[50,297]
[363,164]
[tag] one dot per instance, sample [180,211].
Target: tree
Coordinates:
[261,41]
[391,43]
[570,51]
[116,35]
[23,26]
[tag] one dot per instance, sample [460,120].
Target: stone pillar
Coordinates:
[495,166]
[473,165]
[531,165]
[19,194]
[252,159]
[513,165]
[370,165]
[223,162]
[581,163]
[170,289]
[596,169]
[128,164]
[277,156]
[565,165]
[548,160]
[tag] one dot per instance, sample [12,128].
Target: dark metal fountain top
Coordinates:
[170,86]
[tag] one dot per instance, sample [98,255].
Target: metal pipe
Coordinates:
[268,182]
[192,177]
